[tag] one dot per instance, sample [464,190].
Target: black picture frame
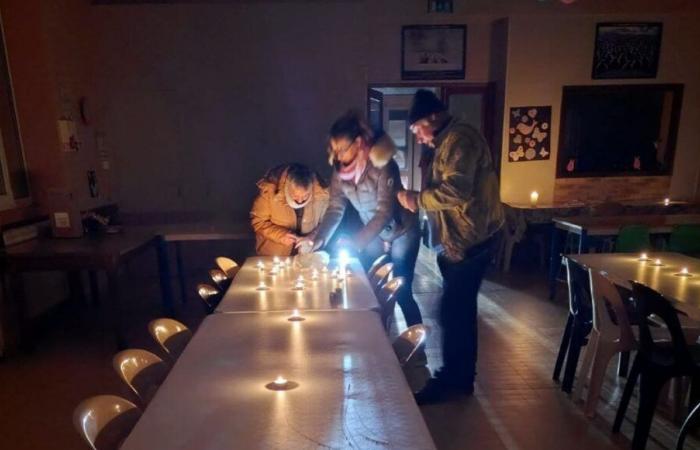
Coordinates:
[433,52]
[626,50]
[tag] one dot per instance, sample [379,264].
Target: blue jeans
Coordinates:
[403,253]
[458,308]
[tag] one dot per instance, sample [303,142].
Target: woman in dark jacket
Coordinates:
[366,177]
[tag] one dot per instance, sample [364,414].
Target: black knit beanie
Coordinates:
[424,104]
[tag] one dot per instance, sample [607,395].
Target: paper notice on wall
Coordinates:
[68,136]
[61,219]
[397,132]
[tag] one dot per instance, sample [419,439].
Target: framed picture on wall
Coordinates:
[433,52]
[627,50]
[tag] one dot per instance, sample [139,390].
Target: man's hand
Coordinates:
[307,244]
[290,239]
[408,199]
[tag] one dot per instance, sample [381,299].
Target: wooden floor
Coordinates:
[516,404]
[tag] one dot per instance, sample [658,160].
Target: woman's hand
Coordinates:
[290,239]
[408,199]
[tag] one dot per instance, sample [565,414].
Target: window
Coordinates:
[14,185]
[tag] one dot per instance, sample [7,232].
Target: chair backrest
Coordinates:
[580,304]
[409,342]
[229,266]
[141,370]
[104,421]
[685,239]
[219,277]
[209,295]
[387,296]
[171,335]
[632,239]
[383,259]
[381,275]
[651,302]
[610,316]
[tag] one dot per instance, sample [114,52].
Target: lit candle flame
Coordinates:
[684,271]
[314,275]
[280,380]
[276,260]
[667,201]
[644,257]
[657,262]
[262,286]
[288,262]
[534,197]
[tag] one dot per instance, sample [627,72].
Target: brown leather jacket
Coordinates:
[271,217]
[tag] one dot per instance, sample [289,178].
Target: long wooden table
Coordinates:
[623,267]
[589,226]
[242,296]
[351,391]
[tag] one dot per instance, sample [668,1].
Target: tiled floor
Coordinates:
[516,405]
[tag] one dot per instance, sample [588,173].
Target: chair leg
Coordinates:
[687,424]
[577,341]
[623,364]
[589,355]
[566,337]
[627,393]
[649,388]
[600,366]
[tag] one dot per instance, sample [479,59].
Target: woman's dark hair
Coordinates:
[300,175]
[351,125]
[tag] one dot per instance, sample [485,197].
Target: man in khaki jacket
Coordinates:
[461,200]
[290,206]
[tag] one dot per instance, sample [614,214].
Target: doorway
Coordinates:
[387,111]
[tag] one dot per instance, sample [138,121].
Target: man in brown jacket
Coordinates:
[290,206]
[461,200]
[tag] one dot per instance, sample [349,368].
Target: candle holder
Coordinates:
[684,273]
[262,287]
[657,263]
[298,286]
[281,384]
[643,257]
[296,317]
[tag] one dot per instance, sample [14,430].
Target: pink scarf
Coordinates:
[354,170]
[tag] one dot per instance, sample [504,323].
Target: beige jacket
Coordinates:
[271,217]
[462,194]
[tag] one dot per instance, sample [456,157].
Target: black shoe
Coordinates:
[436,390]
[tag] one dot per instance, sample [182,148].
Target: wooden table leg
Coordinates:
[115,315]
[166,290]
[180,271]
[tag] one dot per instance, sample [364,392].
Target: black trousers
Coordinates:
[458,309]
[403,253]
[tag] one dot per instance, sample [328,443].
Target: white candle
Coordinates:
[262,286]
[534,197]
[276,260]
[299,286]
[314,275]
[280,380]
[261,265]
[300,279]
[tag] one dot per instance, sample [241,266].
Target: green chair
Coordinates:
[685,239]
[632,239]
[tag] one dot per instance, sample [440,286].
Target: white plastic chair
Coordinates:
[142,371]
[387,296]
[105,421]
[229,266]
[383,274]
[171,335]
[606,339]
[209,295]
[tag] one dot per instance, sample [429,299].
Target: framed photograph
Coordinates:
[440,6]
[433,52]
[627,50]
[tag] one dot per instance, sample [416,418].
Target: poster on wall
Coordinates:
[433,52]
[626,50]
[529,133]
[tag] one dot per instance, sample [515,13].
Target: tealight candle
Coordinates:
[296,317]
[667,201]
[288,262]
[275,270]
[657,262]
[276,260]
[262,286]
[324,269]
[280,380]
[644,257]
[534,197]
[261,265]
[281,384]
[298,286]
[684,273]
[300,279]
[314,275]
